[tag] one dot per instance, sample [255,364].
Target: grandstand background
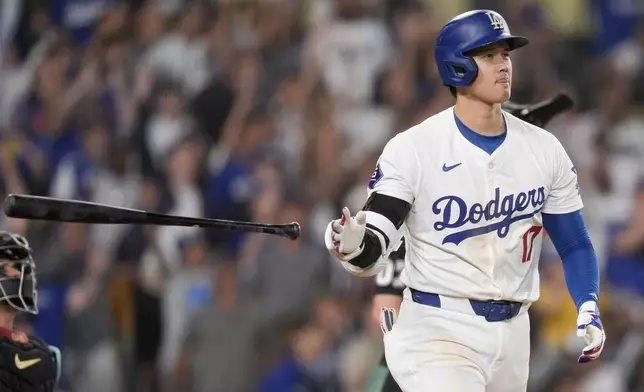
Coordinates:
[276,110]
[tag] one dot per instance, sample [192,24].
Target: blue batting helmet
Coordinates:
[465,33]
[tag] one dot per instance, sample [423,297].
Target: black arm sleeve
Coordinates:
[392,208]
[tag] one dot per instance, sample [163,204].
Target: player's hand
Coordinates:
[343,237]
[387,319]
[589,326]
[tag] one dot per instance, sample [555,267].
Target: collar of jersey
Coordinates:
[486,143]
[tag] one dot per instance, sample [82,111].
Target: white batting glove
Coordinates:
[343,237]
[589,326]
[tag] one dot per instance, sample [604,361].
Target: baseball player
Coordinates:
[389,288]
[472,190]
[26,363]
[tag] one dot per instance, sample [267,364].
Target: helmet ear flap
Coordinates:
[457,70]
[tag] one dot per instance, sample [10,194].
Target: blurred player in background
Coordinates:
[27,364]
[389,288]
[472,189]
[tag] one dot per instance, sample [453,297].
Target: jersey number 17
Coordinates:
[528,241]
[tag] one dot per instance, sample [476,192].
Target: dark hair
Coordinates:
[453,91]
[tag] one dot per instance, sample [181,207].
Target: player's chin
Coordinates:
[502,92]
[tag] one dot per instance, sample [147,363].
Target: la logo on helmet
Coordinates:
[496,21]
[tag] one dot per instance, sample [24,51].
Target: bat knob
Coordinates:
[292,230]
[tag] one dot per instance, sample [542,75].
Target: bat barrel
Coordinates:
[61,210]
[30,207]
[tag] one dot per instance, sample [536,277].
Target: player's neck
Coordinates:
[7,318]
[480,117]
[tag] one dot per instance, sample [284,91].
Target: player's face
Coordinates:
[9,269]
[493,83]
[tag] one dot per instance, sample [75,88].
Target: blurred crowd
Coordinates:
[276,111]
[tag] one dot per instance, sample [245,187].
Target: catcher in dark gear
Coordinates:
[26,362]
[389,288]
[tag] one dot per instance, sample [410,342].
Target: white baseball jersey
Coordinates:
[475,226]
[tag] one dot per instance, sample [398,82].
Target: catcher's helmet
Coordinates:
[465,33]
[17,273]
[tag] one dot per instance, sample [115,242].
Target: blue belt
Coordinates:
[491,310]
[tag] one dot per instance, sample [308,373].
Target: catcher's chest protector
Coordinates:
[26,364]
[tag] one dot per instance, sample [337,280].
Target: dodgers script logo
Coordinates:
[453,213]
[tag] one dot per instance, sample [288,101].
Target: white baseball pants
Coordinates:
[451,349]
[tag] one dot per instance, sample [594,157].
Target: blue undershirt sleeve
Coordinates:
[570,237]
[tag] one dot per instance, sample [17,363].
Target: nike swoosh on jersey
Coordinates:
[448,168]
[22,365]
